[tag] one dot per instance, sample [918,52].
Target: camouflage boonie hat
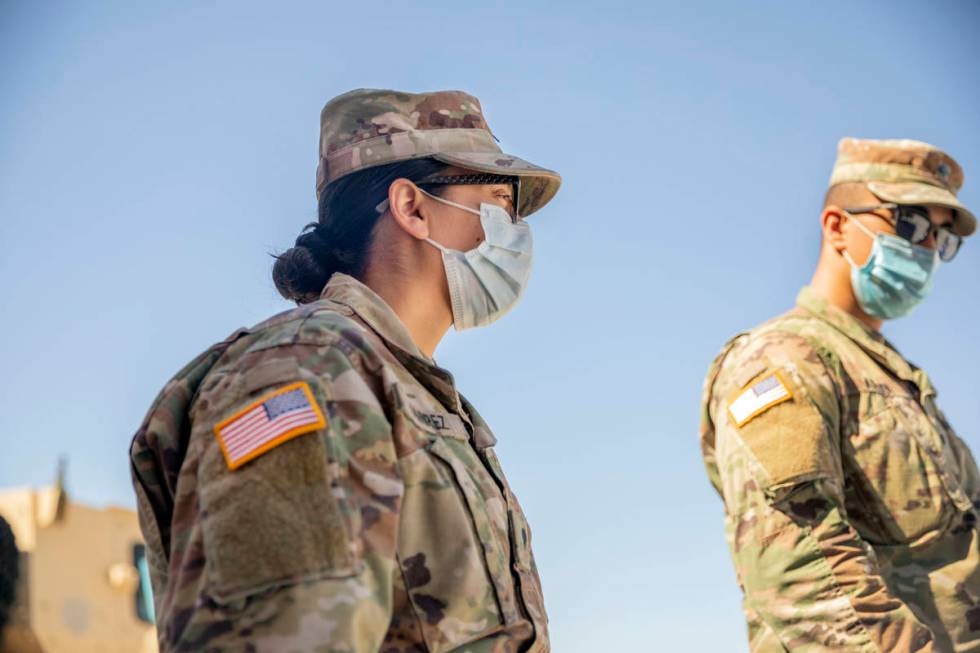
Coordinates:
[904,172]
[370,127]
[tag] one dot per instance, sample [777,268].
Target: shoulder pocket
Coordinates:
[785,432]
[274,520]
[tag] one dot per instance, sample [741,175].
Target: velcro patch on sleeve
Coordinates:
[268,422]
[762,395]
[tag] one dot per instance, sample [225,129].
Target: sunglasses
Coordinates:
[480,180]
[914,225]
[468,180]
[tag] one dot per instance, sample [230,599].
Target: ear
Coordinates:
[832,225]
[404,200]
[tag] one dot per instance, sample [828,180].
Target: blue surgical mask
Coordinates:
[896,277]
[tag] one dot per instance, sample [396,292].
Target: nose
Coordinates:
[930,240]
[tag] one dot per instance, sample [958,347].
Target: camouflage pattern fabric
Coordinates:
[850,508]
[391,529]
[370,127]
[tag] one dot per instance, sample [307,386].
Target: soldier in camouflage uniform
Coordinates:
[850,502]
[317,482]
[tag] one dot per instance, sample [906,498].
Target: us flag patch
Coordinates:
[759,397]
[268,422]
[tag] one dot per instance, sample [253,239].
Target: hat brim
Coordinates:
[538,185]
[965,223]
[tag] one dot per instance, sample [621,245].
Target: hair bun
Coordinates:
[298,275]
[311,240]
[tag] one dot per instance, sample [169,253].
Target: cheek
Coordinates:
[859,247]
[463,234]
[476,235]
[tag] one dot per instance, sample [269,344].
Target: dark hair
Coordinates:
[340,239]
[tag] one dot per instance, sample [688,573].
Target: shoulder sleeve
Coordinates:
[298,496]
[774,398]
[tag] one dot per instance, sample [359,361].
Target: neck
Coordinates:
[421,309]
[832,281]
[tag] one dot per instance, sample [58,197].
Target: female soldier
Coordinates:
[316,482]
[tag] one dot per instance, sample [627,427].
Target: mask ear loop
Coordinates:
[441,248]
[382,206]
[860,225]
[870,234]
[450,203]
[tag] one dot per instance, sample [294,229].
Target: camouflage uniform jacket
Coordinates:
[849,500]
[391,528]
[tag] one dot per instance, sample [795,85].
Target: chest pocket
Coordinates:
[524,565]
[906,490]
[453,541]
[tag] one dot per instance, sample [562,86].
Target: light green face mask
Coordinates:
[896,277]
[488,281]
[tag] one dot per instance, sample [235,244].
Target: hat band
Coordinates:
[401,146]
[886,172]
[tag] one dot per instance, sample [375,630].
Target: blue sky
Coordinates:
[153,154]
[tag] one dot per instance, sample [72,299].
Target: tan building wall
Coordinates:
[78,587]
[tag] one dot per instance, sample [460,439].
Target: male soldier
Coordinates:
[849,500]
[317,482]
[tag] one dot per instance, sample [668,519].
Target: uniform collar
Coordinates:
[368,305]
[375,312]
[868,339]
[849,325]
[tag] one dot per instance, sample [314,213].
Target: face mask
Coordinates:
[486,282]
[896,277]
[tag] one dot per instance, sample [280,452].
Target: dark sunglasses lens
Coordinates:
[947,244]
[913,224]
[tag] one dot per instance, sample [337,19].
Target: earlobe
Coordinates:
[404,202]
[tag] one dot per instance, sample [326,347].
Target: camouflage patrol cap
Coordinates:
[904,172]
[370,127]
